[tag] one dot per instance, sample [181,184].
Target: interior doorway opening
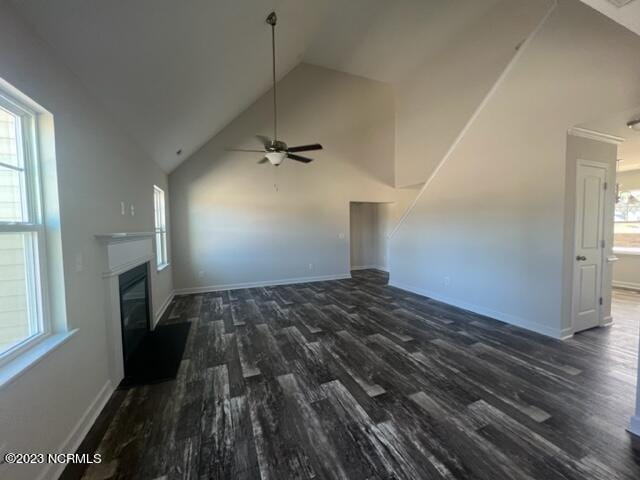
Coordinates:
[621,246]
[368,234]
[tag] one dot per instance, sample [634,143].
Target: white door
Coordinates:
[589,247]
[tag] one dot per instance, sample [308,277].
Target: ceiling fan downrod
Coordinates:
[272,20]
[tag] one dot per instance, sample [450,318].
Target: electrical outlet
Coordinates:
[201,274]
[133,210]
[447,281]
[123,209]
[341,236]
[311,266]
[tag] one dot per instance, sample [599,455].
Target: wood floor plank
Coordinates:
[354,379]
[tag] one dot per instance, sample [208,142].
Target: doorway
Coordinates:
[591,186]
[368,235]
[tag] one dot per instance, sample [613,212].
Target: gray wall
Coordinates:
[231,226]
[98,166]
[368,235]
[492,221]
[436,100]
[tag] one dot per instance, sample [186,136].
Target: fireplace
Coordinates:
[139,353]
[135,318]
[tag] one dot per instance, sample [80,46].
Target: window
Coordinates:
[627,221]
[22,235]
[162,259]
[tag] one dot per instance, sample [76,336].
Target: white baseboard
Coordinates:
[266,283]
[607,321]
[371,267]
[75,438]
[634,426]
[561,334]
[163,309]
[565,333]
[627,285]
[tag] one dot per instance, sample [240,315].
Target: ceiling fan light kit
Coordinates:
[276,158]
[275,151]
[634,125]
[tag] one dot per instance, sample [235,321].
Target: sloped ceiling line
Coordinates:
[518,54]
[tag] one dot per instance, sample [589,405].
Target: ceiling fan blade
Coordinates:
[305,148]
[243,150]
[298,158]
[264,160]
[266,141]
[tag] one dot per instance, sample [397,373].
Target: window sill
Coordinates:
[162,267]
[626,251]
[31,357]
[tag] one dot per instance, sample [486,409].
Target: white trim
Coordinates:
[127,266]
[163,308]
[561,334]
[371,267]
[476,114]
[626,251]
[79,431]
[266,283]
[627,285]
[162,267]
[634,426]
[31,357]
[607,321]
[35,246]
[122,236]
[595,135]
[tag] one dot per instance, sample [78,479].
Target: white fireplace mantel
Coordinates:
[123,251]
[122,236]
[126,250]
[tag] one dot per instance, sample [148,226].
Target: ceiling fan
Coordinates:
[275,151]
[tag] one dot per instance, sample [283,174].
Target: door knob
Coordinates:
[581,258]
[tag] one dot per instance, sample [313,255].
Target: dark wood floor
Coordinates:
[353,379]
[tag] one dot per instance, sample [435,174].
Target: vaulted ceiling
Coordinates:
[625,12]
[174,73]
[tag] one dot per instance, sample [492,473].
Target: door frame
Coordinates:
[603,258]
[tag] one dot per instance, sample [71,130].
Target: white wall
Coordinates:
[626,271]
[493,218]
[368,235]
[98,166]
[231,226]
[435,101]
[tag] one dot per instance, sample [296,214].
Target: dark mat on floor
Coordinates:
[158,357]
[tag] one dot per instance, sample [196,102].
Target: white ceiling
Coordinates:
[616,124]
[174,73]
[385,40]
[627,15]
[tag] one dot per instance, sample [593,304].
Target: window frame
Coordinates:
[160,227]
[36,263]
[622,250]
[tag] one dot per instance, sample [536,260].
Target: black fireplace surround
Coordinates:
[135,315]
[150,356]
